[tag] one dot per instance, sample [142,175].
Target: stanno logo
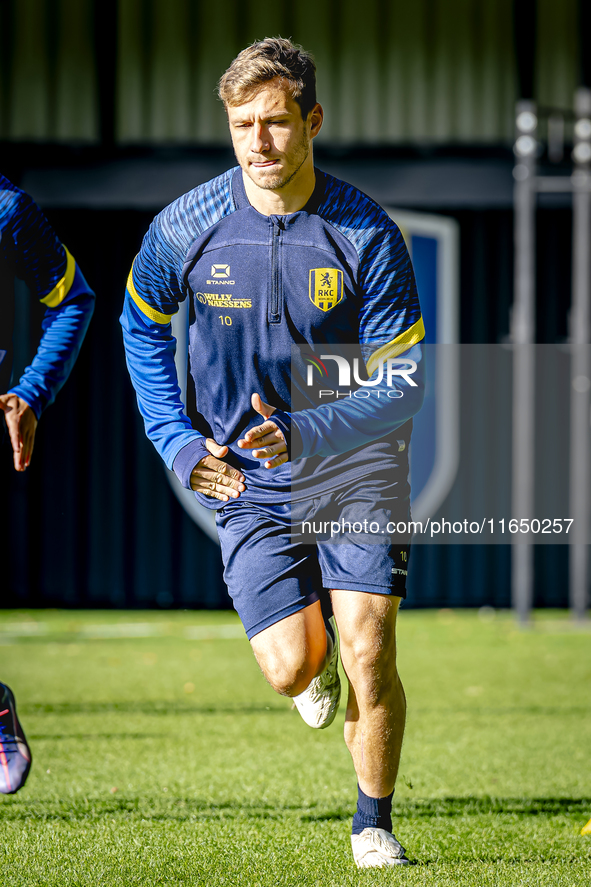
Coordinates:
[326,287]
[220,275]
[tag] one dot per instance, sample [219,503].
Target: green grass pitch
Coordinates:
[161,757]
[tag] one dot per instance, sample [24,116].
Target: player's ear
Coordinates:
[316,118]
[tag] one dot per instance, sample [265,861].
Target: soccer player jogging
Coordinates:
[30,250]
[275,254]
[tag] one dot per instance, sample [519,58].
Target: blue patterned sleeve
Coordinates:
[152,298]
[154,292]
[52,276]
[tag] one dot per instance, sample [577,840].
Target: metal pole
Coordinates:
[580,330]
[523,337]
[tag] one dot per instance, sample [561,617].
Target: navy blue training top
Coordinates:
[336,273]
[30,250]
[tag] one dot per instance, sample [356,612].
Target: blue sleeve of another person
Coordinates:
[53,277]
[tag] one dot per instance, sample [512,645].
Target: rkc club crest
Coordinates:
[326,287]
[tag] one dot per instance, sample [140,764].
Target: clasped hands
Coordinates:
[214,477]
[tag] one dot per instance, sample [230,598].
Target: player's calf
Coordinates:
[319,702]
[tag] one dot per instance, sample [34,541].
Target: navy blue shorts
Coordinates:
[278,559]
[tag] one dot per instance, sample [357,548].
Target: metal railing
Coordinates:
[528,184]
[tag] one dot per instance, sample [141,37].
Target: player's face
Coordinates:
[271,140]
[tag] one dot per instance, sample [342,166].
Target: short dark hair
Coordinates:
[263,61]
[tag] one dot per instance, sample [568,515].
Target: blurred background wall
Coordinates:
[108,112]
[143,71]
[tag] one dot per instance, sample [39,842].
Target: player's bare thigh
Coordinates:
[292,651]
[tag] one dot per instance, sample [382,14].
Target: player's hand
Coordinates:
[21,422]
[266,441]
[215,478]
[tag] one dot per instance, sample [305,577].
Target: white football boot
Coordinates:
[375,848]
[318,704]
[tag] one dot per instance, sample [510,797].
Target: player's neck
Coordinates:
[293,197]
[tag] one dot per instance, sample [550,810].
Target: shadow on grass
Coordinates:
[140,809]
[429,808]
[90,737]
[178,809]
[148,708]
[547,711]
[176,707]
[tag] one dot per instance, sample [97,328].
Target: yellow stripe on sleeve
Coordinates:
[150,312]
[62,287]
[401,343]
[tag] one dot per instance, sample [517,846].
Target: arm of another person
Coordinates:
[52,275]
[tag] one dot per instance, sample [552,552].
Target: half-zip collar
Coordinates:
[242,202]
